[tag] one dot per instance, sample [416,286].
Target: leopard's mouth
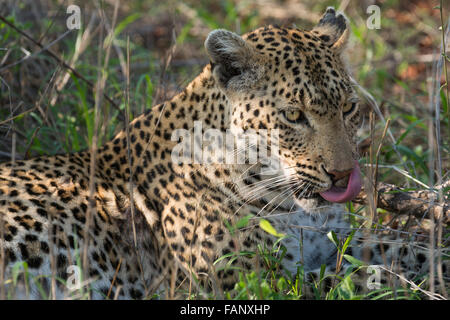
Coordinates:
[342,193]
[342,183]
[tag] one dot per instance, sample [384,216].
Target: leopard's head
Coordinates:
[296,82]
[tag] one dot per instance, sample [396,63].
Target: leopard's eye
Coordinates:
[294,116]
[349,107]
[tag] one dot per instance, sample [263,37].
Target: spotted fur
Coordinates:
[156,224]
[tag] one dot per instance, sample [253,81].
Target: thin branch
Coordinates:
[417,203]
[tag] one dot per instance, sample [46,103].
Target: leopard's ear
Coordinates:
[235,64]
[333,29]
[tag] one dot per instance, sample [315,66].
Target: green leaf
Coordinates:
[333,237]
[228,226]
[444,103]
[123,24]
[347,241]
[16,271]
[234,255]
[353,260]
[347,288]
[323,268]
[267,227]
[243,222]
[40,288]
[281,284]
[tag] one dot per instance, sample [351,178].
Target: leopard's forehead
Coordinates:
[308,70]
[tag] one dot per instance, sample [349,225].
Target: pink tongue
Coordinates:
[337,194]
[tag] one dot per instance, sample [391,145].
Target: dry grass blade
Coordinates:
[160,95]
[81,46]
[435,156]
[51,245]
[114,279]
[127,128]
[101,82]
[126,71]
[374,171]
[445,58]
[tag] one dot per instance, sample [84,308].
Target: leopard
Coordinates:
[176,203]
